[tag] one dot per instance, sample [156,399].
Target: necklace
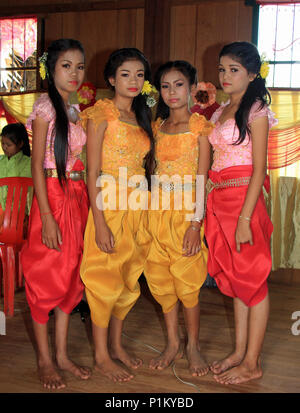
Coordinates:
[72,113]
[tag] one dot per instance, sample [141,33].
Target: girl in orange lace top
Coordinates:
[119,138]
[176,264]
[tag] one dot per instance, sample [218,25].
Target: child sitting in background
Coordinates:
[16,159]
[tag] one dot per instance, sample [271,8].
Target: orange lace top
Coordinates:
[124,144]
[177,154]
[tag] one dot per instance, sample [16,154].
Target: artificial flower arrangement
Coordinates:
[204,98]
[86,95]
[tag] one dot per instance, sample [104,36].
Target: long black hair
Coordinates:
[188,71]
[61,122]
[17,133]
[140,108]
[247,55]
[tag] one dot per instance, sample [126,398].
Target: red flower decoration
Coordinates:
[86,95]
[204,95]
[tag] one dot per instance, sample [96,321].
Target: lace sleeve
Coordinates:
[101,111]
[199,125]
[42,108]
[258,112]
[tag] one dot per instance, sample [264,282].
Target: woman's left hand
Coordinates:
[243,233]
[191,242]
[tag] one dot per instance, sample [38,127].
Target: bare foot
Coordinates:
[49,376]
[122,355]
[240,374]
[111,370]
[172,352]
[78,371]
[197,365]
[232,360]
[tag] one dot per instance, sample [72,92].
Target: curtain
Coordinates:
[284,138]
[16,108]
[284,171]
[19,106]
[5,118]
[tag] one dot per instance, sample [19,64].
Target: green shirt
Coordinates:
[17,165]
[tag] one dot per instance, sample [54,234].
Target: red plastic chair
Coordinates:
[11,237]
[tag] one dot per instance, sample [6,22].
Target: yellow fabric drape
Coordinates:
[285,188]
[284,138]
[20,106]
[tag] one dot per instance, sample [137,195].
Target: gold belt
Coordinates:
[74,175]
[210,185]
[173,186]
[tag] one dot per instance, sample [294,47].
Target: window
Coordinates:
[279,40]
[18,55]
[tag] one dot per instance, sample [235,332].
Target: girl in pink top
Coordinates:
[237,226]
[52,254]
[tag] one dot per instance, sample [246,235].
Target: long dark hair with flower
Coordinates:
[247,55]
[139,106]
[184,67]
[61,121]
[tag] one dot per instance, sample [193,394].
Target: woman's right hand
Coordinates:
[105,239]
[51,235]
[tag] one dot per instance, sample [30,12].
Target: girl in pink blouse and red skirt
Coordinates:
[237,226]
[52,254]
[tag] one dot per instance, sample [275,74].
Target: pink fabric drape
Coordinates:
[19,35]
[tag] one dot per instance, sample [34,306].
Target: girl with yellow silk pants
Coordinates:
[176,264]
[119,135]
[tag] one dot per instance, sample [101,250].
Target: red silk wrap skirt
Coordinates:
[238,274]
[52,278]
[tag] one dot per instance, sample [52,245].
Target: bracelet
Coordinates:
[195,228]
[247,218]
[45,213]
[195,219]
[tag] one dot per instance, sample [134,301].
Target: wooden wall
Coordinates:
[101,32]
[196,29]
[198,32]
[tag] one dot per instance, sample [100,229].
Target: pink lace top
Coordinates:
[224,135]
[77,138]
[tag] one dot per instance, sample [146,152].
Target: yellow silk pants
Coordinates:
[170,275]
[111,280]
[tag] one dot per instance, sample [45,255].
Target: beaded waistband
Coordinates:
[174,186]
[235,182]
[73,175]
[171,186]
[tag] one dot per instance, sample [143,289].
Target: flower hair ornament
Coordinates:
[264,67]
[43,68]
[149,90]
